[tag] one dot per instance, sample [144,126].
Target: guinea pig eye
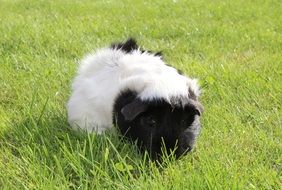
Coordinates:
[184,123]
[150,121]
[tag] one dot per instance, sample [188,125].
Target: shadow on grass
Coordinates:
[74,156]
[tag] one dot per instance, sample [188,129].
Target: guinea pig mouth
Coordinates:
[163,147]
[177,147]
[159,147]
[156,152]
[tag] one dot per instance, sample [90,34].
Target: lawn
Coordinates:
[233,47]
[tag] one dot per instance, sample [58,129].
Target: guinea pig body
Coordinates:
[147,99]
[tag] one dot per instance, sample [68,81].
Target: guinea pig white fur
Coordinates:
[149,101]
[105,73]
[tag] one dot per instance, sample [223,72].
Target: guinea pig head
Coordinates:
[158,125]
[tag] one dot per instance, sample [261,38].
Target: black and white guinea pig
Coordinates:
[134,89]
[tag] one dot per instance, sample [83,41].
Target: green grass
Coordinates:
[233,47]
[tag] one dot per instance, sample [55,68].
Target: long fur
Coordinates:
[107,72]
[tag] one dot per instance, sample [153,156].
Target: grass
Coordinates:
[233,47]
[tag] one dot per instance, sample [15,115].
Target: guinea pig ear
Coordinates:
[133,109]
[192,94]
[195,106]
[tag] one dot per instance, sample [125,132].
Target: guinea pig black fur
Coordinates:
[148,100]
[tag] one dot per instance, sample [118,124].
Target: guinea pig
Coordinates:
[135,90]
